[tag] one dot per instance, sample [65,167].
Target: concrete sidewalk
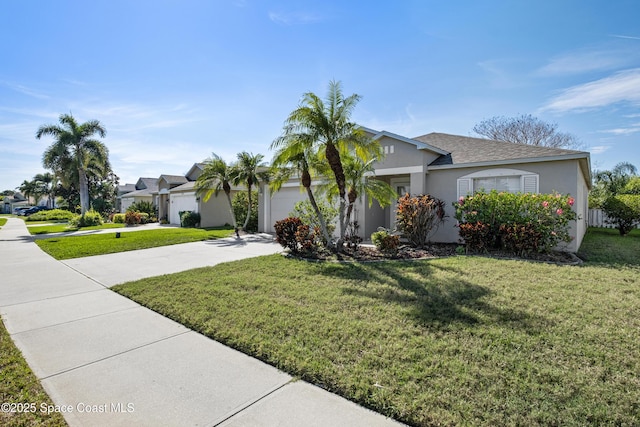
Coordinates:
[110,362]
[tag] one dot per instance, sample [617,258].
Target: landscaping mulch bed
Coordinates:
[366,253]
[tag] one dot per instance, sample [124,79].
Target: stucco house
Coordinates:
[176,193]
[449,166]
[142,191]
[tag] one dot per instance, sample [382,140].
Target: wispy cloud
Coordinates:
[634,128]
[599,149]
[293,18]
[620,36]
[26,90]
[588,60]
[623,86]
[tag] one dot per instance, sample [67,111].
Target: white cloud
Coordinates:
[585,61]
[623,86]
[599,149]
[624,37]
[623,131]
[292,18]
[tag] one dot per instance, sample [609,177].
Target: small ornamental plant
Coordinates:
[385,242]
[518,223]
[418,217]
[299,238]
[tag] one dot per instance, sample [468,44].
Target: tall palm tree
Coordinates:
[217,175]
[328,124]
[74,147]
[249,170]
[295,156]
[46,181]
[29,189]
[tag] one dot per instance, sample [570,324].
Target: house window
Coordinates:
[507,180]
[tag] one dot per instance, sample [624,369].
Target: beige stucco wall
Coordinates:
[215,212]
[560,176]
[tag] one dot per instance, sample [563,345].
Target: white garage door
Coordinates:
[181,202]
[282,203]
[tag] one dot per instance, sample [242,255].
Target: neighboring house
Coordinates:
[9,203]
[214,213]
[449,166]
[142,192]
[122,190]
[165,184]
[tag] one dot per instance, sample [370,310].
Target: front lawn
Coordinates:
[450,341]
[66,228]
[99,244]
[3,221]
[19,386]
[606,246]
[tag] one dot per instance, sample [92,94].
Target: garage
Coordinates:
[180,202]
[281,204]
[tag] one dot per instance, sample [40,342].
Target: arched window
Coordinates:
[499,179]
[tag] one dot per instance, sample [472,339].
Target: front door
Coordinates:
[402,187]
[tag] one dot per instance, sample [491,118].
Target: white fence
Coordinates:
[597,218]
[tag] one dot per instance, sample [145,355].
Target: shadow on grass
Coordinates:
[435,296]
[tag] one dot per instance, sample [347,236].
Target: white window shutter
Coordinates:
[530,183]
[464,187]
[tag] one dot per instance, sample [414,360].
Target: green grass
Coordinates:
[99,244]
[606,246]
[3,221]
[66,228]
[451,341]
[18,384]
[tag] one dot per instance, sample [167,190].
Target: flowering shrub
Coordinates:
[623,211]
[519,223]
[417,217]
[132,218]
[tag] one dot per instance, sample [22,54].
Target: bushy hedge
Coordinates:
[419,216]
[623,211]
[189,219]
[118,218]
[293,234]
[518,223]
[90,218]
[52,215]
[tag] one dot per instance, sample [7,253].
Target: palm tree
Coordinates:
[75,148]
[217,175]
[249,171]
[295,156]
[29,189]
[328,124]
[360,179]
[46,181]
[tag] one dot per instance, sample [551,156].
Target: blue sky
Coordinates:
[173,81]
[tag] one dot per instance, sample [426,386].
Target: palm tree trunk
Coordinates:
[333,158]
[84,191]
[246,221]
[323,221]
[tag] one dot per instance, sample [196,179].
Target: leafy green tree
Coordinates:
[250,171]
[217,175]
[609,183]
[75,148]
[328,124]
[240,204]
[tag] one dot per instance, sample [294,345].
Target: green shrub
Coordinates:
[118,218]
[189,219]
[144,218]
[239,203]
[90,218]
[519,223]
[623,211]
[419,216]
[304,211]
[299,238]
[143,207]
[385,242]
[52,215]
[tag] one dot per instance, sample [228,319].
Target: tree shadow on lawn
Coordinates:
[434,302]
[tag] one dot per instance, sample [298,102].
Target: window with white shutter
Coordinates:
[499,179]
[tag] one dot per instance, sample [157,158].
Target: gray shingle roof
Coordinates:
[464,149]
[148,183]
[174,179]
